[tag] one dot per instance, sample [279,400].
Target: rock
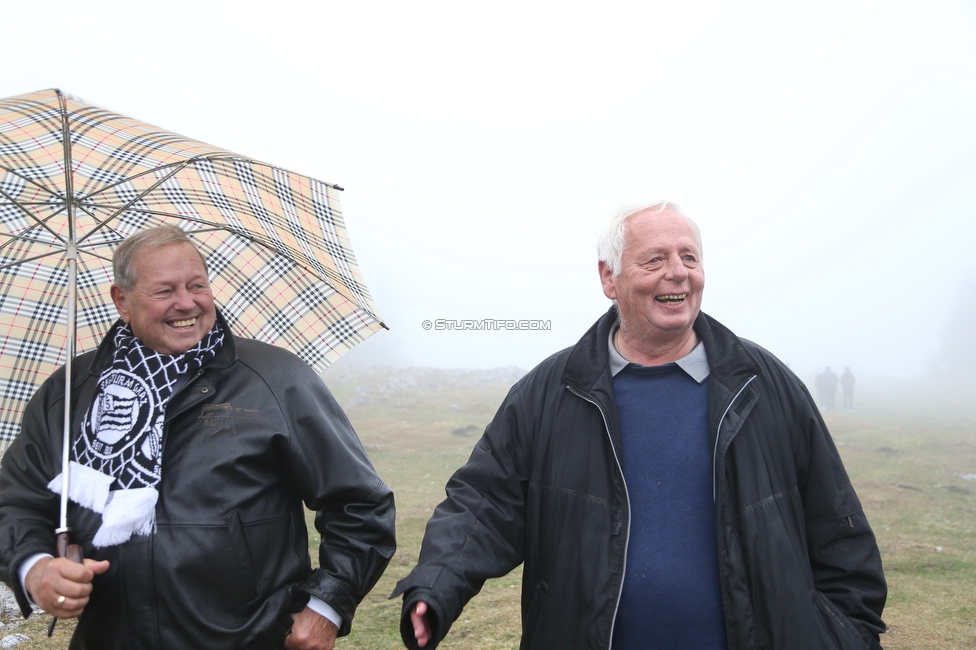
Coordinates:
[12,640]
[8,603]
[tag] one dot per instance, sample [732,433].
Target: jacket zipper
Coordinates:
[616,458]
[718,430]
[722,578]
[162,444]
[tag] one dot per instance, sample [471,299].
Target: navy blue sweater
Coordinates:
[671,596]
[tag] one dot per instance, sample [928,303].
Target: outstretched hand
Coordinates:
[420,619]
[61,586]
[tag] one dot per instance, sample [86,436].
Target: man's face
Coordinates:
[171,306]
[659,289]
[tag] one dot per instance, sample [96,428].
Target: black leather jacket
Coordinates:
[247,440]
[799,565]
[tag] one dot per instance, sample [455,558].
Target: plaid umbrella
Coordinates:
[76,179]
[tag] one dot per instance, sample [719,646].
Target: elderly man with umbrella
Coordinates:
[203,544]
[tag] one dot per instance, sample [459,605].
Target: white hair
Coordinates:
[610,246]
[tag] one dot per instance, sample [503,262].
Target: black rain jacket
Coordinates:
[247,440]
[799,564]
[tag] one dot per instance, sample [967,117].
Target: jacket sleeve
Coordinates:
[477,532]
[844,555]
[28,510]
[354,509]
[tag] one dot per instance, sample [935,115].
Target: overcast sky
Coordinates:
[827,150]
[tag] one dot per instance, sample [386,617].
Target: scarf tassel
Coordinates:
[128,512]
[86,487]
[124,512]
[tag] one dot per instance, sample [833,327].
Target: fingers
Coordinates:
[73,571]
[421,630]
[310,631]
[65,607]
[62,587]
[97,567]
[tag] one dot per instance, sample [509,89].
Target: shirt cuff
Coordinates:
[25,568]
[322,608]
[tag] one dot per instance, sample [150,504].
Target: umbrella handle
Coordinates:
[73,553]
[69,550]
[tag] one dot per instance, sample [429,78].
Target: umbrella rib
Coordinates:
[30,215]
[99,256]
[26,179]
[29,259]
[176,167]
[178,164]
[182,164]
[333,276]
[33,258]
[18,204]
[16,238]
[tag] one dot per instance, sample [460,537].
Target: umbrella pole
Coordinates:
[64,546]
[72,255]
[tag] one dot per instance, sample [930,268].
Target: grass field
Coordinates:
[909,468]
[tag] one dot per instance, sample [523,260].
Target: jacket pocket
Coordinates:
[242,553]
[835,627]
[847,502]
[532,617]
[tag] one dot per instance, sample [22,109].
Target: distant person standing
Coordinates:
[827,388]
[847,387]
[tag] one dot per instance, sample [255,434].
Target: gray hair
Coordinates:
[149,239]
[610,246]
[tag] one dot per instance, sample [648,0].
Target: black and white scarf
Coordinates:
[115,463]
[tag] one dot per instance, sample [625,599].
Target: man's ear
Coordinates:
[606,279]
[118,297]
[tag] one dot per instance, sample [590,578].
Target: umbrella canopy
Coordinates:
[76,179]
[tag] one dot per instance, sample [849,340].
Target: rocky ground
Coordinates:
[10,619]
[379,384]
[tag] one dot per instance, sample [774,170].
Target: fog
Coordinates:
[825,149]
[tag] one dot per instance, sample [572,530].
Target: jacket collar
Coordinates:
[728,360]
[589,360]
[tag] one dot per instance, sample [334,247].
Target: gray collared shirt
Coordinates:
[695,363]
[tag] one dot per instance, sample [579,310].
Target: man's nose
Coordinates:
[184,299]
[676,270]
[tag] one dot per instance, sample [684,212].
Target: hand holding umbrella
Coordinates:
[61,585]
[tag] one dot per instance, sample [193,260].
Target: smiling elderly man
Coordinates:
[194,452]
[666,484]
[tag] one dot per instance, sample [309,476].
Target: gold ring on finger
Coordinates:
[61,600]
